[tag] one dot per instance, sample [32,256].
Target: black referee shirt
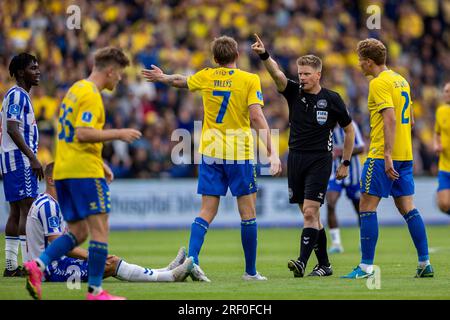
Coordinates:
[312,117]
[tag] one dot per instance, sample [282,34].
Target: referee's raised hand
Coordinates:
[258,46]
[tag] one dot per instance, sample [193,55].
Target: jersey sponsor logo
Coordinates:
[14,110]
[259,95]
[322,117]
[53,222]
[86,117]
[322,104]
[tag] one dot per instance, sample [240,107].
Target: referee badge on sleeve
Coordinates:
[322,117]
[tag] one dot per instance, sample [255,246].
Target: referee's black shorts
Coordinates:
[308,175]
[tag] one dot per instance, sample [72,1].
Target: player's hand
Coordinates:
[36,168]
[129,135]
[342,172]
[154,74]
[275,166]
[389,169]
[258,46]
[437,148]
[109,175]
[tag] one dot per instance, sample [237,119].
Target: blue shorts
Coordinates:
[66,269]
[80,198]
[444,180]
[352,191]
[20,184]
[216,175]
[374,180]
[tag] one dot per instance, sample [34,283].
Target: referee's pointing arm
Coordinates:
[277,75]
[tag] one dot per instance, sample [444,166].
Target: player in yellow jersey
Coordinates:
[442,147]
[80,173]
[388,169]
[232,101]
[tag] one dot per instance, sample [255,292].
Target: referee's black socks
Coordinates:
[307,242]
[320,248]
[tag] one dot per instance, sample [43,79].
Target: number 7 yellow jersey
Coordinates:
[227,93]
[81,107]
[390,90]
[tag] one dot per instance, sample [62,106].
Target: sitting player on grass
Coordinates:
[45,223]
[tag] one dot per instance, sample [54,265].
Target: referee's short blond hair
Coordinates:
[372,49]
[310,60]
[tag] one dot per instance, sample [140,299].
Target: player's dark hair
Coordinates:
[107,56]
[372,49]
[225,50]
[48,171]
[310,60]
[20,62]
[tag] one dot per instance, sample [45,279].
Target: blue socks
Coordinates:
[198,230]
[98,251]
[249,239]
[58,248]
[418,234]
[369,235]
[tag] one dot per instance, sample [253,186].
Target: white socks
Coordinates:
[368,268]
[23,247]
[11,252]
[134,273]
[423,264]
[335,236]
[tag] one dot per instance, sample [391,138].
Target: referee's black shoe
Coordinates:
[321,271]
[297,267]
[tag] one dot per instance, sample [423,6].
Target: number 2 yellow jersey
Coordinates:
[81,107]
[227,93]
[442,127]
[390,90]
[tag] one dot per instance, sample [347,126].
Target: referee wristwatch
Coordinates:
[346,163]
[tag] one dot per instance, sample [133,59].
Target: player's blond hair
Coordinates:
[310,60]
[107,56]
[372,49]
[225,50]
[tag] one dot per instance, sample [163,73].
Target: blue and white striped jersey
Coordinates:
[44,219]
[355,164]
[17,106]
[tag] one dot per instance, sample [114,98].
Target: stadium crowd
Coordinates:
[175,35]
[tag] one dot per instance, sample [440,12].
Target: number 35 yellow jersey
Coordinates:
[227,93]
[390,90]
[81,107]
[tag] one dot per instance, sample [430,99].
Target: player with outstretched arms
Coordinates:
[232,101]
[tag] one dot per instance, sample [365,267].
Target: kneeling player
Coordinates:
[45,223]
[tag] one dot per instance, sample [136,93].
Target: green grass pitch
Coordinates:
[222,260]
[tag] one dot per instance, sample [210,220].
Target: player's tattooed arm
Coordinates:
[157,75]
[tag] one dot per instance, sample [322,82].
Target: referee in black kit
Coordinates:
[313,113]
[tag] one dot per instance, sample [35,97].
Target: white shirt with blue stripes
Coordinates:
[44,220]
[17,107]
[355,164]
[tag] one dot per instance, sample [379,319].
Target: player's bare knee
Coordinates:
[310,214]
[444,205]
